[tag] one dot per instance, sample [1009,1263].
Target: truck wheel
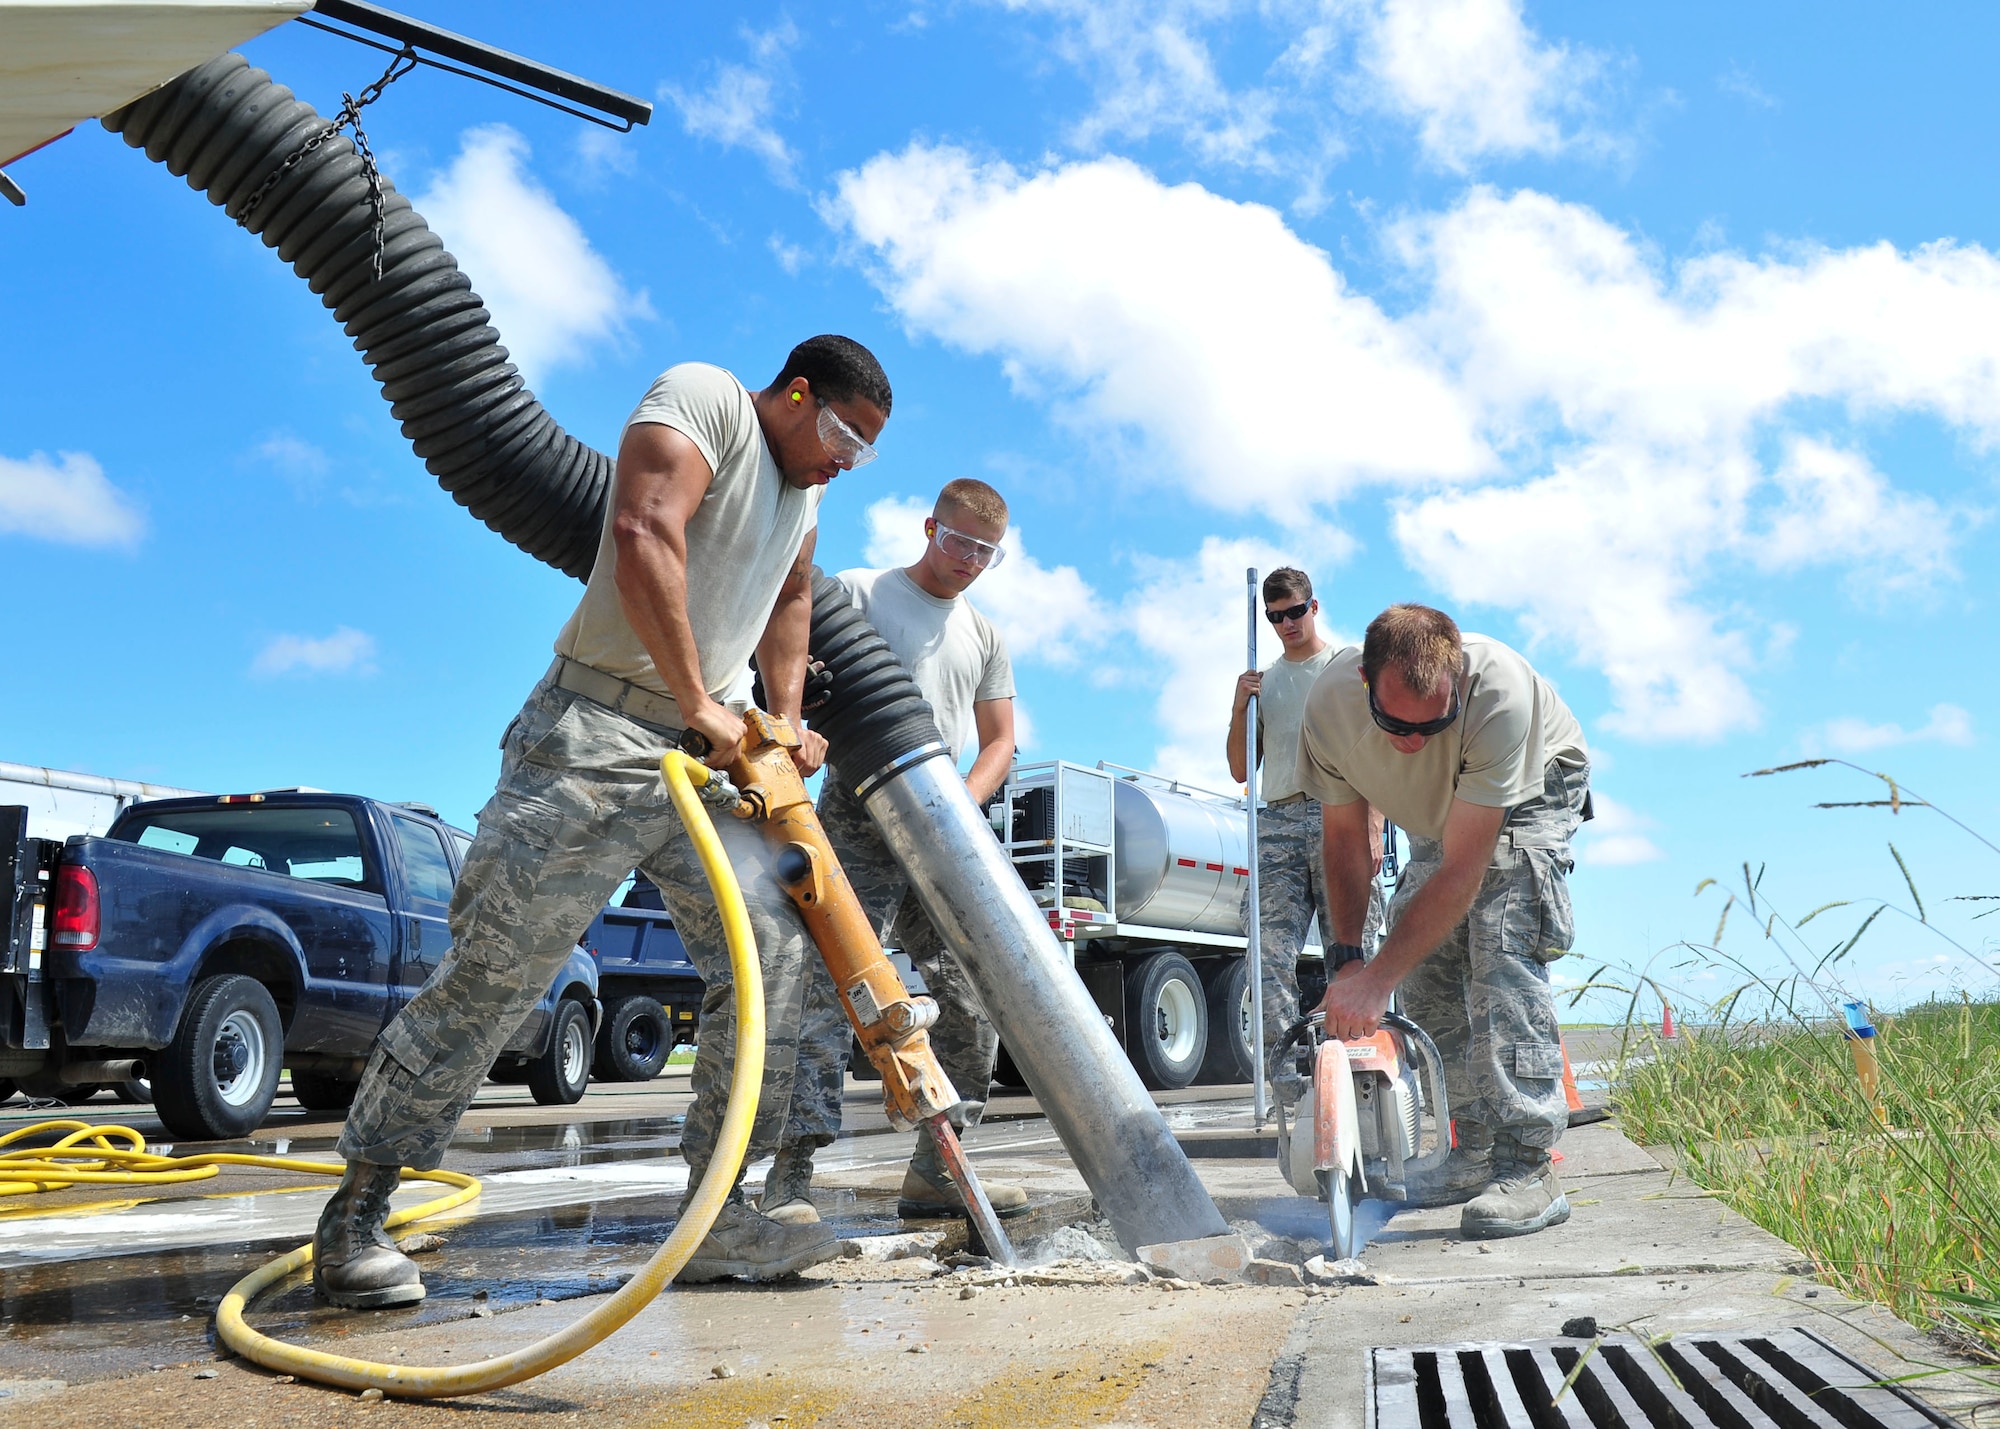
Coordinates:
[316,1092]
[635,1040]
[218,1077]
[135,1091]
[1231,1054]
[559,1075]
[508,1072]
[1166,1014]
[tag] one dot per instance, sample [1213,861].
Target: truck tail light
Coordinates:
[76,921]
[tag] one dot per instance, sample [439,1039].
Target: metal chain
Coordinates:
[350,113]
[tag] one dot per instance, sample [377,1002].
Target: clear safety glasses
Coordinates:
[842,442]
[970,549]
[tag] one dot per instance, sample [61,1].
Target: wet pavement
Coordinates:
[105,1312]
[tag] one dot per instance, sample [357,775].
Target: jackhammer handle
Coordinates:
[694,742]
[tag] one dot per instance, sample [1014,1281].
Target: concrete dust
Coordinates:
[1070,1243]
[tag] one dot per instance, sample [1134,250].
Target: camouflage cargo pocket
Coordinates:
[1558,921]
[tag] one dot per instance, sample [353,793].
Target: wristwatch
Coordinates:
[1339,955]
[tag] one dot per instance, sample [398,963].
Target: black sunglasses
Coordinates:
[1296,612]
[1403,728]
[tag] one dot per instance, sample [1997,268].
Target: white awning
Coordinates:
[65,61]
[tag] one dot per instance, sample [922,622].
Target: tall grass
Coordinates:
[1895,1200]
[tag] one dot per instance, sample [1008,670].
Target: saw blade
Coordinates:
[981,1211]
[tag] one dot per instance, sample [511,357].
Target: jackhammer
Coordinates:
[763,785]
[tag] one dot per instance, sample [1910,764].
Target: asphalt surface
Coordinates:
[106,1298]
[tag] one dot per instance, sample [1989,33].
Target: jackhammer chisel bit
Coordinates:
[977,1207]
[889,1023]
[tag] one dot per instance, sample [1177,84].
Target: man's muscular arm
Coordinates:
[1349,867]
[661,478]
[781,654]
[994,722]
[1356,1000]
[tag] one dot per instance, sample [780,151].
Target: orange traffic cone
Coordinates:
[1569,1080]
[1666,1019]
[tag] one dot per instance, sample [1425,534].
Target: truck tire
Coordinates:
[1231,1055]
[635,1040]
[1166,1017]
[134,1091]
[317,1092]
[218,1077]
[559,1075]
[508,1072]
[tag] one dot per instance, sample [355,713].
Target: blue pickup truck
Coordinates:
[207,943]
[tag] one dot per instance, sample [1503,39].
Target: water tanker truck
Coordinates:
[1144,880]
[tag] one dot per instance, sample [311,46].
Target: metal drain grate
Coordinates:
[1790,1379]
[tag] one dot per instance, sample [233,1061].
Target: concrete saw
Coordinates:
[1358,1132]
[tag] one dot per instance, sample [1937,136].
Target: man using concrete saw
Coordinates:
[1460,742]
[705,558]
[959,663]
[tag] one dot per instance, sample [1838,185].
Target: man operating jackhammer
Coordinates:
[959,663]
[705,558]
[1459,741]
[1291,879]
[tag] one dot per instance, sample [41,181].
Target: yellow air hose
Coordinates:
[32,1170]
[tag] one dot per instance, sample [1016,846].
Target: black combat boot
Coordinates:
[355,1264]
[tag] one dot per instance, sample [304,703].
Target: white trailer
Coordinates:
[62,803]
[1143,878]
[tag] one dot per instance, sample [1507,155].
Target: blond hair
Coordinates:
[969,496]
[1420,644]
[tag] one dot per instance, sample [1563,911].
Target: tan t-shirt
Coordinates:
[1511,724]
[741,542]
[1281,706]
[954,653]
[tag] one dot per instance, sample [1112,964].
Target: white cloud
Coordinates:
[553,297]
[1228,346]
[739,108]
[66,499]
[791,257]
[1046,613]
[346,651]
[1949,724]
[1570,429]
[1616,837]
[1472,76]
[301,465]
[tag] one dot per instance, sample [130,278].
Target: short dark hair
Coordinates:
[1287,580]
[839,369]
[1421,644]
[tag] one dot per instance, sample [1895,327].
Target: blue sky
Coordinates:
[1662,343]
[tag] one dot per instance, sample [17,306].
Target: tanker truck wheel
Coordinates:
[1231,1056]
[1166,1017]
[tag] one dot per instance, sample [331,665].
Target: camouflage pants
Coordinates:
[965,1042]
[1291,890]
[579,805]
[1483,995]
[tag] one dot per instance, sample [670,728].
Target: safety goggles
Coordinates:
[970,549]
[1290,612]
[845,445]
[1404,728]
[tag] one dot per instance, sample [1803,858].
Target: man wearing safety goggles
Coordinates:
[704,559]
[1460,742]
[959,662]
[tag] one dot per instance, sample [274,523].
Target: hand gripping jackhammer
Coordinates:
[764,786]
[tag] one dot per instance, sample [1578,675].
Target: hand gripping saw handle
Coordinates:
[763,785]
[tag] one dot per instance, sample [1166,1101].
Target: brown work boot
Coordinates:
[1524,1196]
[355,1264]
[1464,1174]
[748,1246]
[929,1193]
[787,1197]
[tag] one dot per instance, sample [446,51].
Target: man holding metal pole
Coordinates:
[1476,757]
[1291,885]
